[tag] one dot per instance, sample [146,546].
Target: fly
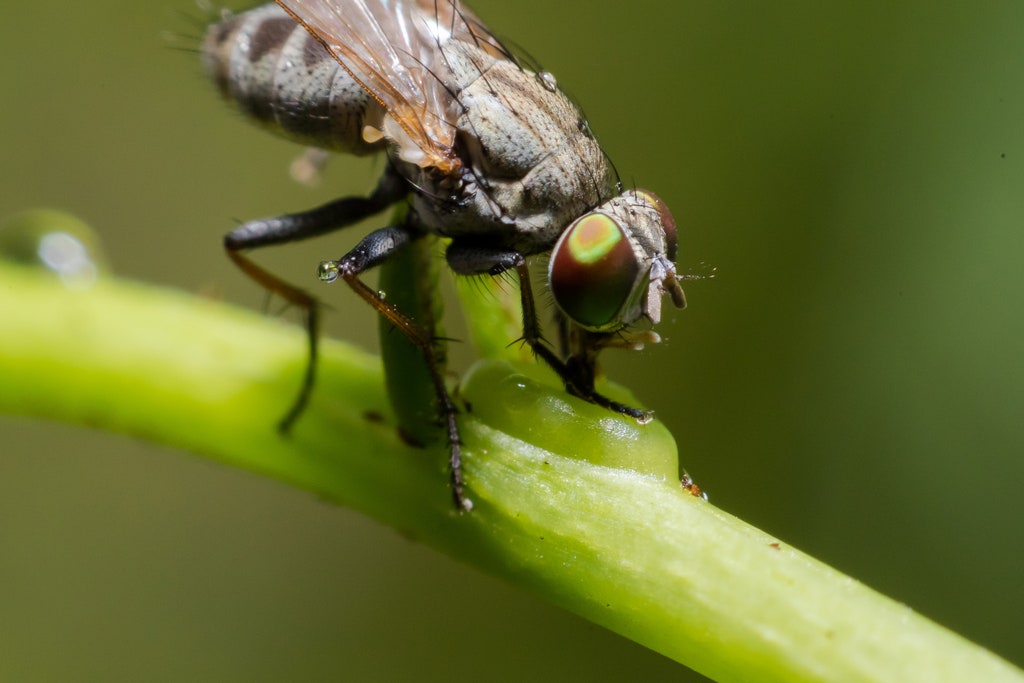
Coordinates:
[487,153]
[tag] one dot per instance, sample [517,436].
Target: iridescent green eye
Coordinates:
[593,271]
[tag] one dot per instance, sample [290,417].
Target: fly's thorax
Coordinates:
[283,78]
[611,266]
[516,126]
[530,163]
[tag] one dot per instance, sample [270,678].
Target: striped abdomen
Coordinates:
[281,76]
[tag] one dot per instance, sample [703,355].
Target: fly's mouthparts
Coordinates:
[636,341]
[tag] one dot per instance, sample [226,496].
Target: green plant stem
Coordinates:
[633,552]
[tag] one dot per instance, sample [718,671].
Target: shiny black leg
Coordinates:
[373,250]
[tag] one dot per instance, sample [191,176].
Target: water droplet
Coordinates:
[327,271]
[55,241]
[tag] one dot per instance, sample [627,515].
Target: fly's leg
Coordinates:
[577,373]
[373,250]
[579,369]
[299,226]
[581,363]
[311,316]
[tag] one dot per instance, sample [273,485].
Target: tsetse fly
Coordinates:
[488,154]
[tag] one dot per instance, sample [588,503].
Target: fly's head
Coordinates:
[611,266]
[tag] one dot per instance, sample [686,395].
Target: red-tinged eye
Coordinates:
[593,271]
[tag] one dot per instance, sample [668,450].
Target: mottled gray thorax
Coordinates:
[531,165]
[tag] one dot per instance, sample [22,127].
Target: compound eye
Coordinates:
[593,271]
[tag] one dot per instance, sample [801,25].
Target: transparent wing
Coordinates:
[393,49]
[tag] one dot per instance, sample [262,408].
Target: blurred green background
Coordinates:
[851,381]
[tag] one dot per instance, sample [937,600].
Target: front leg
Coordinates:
[577,372]
[376,248]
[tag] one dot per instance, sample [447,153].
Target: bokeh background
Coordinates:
[852,381]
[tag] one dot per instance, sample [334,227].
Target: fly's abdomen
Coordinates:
[283,78]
